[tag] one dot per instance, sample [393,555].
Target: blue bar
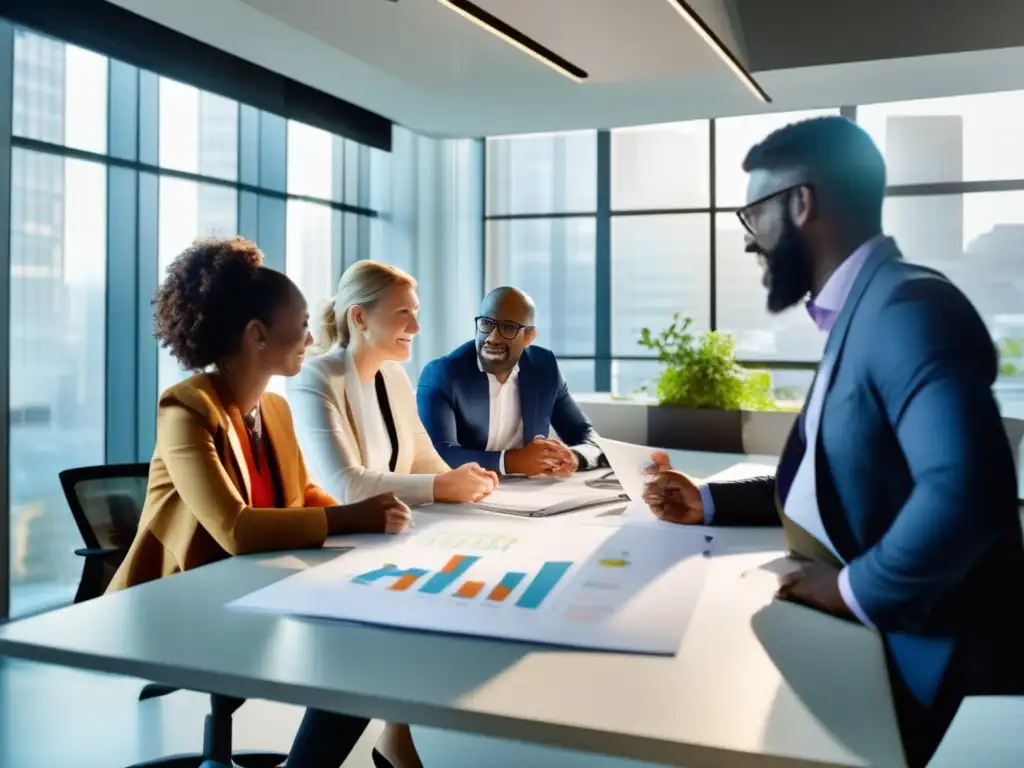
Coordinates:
[542,584]
[440,581]
[511,580]
[385,571]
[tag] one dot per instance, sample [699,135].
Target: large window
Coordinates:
[646,218]
[58,359]
[540,237]
[187,211]
[542,174]
[90,241]
[665,242]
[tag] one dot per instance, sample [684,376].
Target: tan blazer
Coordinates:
[197,501]
[327,433]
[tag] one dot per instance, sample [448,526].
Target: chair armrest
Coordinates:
[99,551]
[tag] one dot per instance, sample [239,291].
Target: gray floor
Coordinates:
[51,717]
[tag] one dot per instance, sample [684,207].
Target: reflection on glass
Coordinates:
[630,377]
[60,92]
[198,131]
[963,138]
[380,170]
[742,305]
[578,375]
[553,261]
[353,155]
[661,166]
[542,173]
[660,266]
[189,210]
[312,161]
[976,241]
[313,255]
[58,363]
[734,136]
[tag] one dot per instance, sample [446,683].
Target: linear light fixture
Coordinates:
[683,9]
[515,38]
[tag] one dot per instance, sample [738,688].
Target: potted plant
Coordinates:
[702,391]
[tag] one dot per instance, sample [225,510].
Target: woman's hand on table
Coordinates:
[382,513]
[465,485]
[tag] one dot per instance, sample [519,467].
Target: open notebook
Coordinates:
[545,497]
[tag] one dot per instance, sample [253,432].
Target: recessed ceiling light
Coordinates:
[515,38]
[683,9]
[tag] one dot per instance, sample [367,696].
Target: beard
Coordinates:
[788,273]
[496,359]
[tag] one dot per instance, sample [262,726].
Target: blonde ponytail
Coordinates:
[362,284]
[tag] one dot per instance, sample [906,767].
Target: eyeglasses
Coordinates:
[746,213]
[506,328]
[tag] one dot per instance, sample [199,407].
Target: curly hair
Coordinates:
[211,292]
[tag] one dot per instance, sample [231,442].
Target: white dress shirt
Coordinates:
[505,428]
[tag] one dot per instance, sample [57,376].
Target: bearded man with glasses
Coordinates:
[896,489]
[495,400]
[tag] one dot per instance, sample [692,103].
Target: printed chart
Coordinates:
[627,589]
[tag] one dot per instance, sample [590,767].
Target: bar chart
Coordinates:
[443,581]
[579,586]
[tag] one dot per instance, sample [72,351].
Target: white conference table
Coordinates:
[755,682]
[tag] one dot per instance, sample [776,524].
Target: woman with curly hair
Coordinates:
[227,476]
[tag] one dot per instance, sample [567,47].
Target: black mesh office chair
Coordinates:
[106,502]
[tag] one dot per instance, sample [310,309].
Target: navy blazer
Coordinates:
[915,478]
[454,401]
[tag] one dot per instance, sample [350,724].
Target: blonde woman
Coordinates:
[356,419]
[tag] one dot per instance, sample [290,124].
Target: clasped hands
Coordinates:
[675,498]
[542,457]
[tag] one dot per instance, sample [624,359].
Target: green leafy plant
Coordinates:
[1011,352]
[702,372]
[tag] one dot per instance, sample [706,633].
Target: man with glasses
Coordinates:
[896,489]
[495,400]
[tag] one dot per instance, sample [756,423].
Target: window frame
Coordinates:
[133,171]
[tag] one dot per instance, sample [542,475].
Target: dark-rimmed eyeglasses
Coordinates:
[506,328]
[746,213]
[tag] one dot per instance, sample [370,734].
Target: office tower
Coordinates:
[660,261]
[41,335]
[922,149]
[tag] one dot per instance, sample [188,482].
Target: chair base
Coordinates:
[217,752]
[239,760]
[154,690]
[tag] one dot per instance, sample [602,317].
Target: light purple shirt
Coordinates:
[824,309]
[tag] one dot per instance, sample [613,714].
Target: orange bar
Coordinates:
[405,582]
[452,564]
[499,593]
[470,589]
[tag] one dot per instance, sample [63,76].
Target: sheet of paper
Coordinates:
[627,462]
[538,493]
[630,589]
[741,471]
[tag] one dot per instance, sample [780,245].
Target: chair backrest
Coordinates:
[106,502]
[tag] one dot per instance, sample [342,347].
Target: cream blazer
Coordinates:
[327,434]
